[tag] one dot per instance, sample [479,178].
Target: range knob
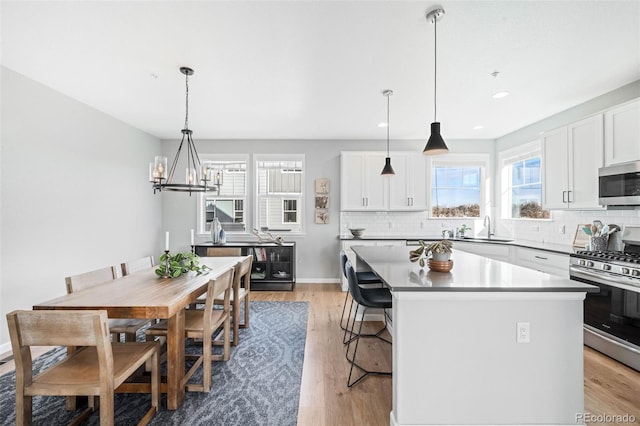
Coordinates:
[606,267]
[590,264]
[582,262]
[635,273]
[625,270]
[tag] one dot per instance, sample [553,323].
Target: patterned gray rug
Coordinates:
[259,385]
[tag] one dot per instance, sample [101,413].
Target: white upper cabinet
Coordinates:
[622,133]
[361,185]
[408,188]
[571,158]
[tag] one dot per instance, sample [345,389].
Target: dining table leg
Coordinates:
[175,360]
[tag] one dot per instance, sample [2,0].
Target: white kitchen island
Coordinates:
[461,350]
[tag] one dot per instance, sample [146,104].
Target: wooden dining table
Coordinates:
[144,295]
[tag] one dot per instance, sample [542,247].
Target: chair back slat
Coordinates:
[216,287]
[89,279]
[137,265]
[223,251]
[243,269]
[59,328]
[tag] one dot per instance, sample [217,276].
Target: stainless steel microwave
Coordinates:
[619,185]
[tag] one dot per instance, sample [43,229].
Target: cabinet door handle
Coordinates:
[408,201]
[563,196]
[540,257]
[363,204]
[569,197]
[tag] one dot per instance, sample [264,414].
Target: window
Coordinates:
[229,204]
[522,183]
[279,193]
[458,187]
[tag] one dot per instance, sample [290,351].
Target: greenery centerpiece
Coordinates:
[439,250]
[174,265]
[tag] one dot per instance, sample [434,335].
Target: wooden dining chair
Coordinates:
[241,291]
[117,326]
[96,369]
[223,251]
[201,324]
[137,265]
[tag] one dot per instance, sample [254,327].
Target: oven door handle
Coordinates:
[600,277]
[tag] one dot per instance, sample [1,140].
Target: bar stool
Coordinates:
[379,298]
[367,277]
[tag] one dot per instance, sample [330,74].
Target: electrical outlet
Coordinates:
[523,330]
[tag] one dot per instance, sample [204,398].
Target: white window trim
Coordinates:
[511,155]
[463,160]
[200,217]
[280,157]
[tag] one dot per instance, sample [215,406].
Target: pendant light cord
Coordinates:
[435,67]
[388,123]
[186,115]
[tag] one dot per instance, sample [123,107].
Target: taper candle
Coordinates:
[166,241]
[192,238]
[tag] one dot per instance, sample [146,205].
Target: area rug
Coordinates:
[259,385]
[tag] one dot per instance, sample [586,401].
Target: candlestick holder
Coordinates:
[193,249]
[166,273]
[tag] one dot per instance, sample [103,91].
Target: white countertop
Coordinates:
[553,247]
[470,273]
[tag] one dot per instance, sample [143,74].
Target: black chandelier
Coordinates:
[198,177]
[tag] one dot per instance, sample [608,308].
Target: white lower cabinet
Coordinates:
[541,260]
[490,250]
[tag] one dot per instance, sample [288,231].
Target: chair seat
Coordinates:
[79,373]
[124,325]
[377,297]
[367,277]
[193,323]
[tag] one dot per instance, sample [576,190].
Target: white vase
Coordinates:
[440,257]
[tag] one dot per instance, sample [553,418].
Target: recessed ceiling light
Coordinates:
[383,124]
[500,95]
[478,127]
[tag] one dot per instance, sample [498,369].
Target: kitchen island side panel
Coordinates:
[456,359]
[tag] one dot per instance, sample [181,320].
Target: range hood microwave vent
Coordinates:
[619,185]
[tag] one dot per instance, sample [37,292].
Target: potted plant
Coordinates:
[462,230]
[439,250]
[175,265]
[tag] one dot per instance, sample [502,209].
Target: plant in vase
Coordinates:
[178,264]
[462,230]
[439,250]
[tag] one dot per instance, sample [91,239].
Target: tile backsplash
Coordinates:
[560,229]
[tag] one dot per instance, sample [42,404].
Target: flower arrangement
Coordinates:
[442,247]
[178,264]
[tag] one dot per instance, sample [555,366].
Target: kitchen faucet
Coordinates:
[487,223]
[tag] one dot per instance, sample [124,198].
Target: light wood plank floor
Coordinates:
[610,387]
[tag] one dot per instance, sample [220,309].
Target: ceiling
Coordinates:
[317,69]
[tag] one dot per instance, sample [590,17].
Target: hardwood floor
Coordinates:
[610,387]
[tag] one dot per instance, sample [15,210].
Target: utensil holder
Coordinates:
[599,243]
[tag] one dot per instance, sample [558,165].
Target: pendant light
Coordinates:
[387,170]
[435,144]
[163,181]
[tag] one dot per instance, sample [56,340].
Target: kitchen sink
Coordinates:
[485,239]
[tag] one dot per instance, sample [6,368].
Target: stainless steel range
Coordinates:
[612,315]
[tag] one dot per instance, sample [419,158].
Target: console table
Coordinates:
[274,265]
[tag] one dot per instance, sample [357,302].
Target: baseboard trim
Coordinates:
[318,280]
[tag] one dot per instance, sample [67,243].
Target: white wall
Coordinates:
[74,193]
[317,250]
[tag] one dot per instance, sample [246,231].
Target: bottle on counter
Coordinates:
[216,227]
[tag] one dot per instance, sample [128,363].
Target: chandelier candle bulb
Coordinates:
[204,173]
[190,176]
[160,167]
